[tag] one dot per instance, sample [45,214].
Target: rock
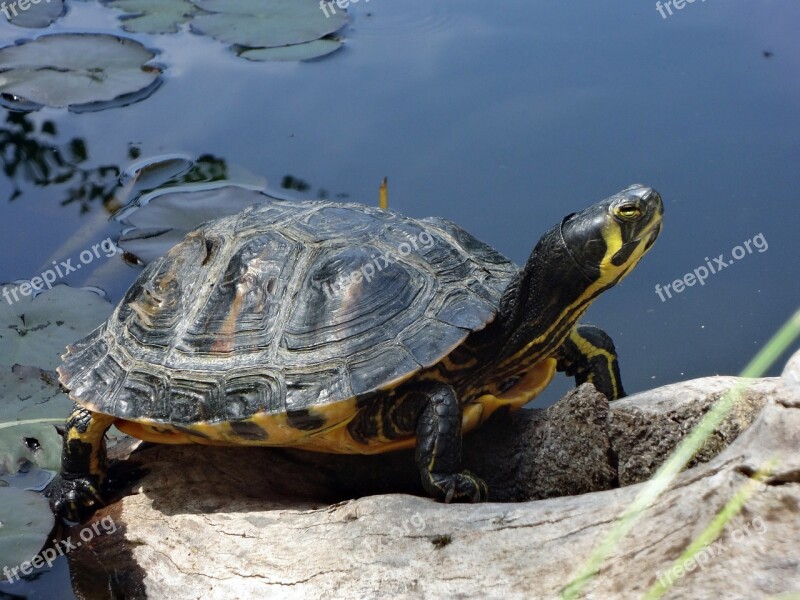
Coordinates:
[206,522]
[791,378]
[645,428]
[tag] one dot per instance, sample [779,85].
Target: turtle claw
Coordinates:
[75,499]
[461,487]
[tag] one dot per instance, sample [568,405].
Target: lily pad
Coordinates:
[266,23]
[35,15]
[295,52]
[35,330]
[25,522]
[73,69]
[33,479]
[152,172]
[154,16]
[31,405]
[162,218]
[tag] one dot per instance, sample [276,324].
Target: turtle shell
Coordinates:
[285,306]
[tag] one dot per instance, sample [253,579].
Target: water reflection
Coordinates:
[35,156]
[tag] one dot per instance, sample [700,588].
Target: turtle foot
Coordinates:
[75,499]
[460,487]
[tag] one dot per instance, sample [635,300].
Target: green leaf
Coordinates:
[162,218]
[35,15]
[33,479]
[154,171]
[36,331]
[25,522]
[74,69]
[154,16]
[31,405]
[295,52]
[266,23]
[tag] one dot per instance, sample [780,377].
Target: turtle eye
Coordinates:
[629,211]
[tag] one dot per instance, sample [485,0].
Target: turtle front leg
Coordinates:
[438,449]
[76,492]
[588,354]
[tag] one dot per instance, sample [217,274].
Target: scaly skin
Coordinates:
[78,491]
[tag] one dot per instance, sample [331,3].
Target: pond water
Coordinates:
[502,118]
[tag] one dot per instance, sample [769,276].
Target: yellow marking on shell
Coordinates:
[228,329]
[160,434]
[526,389]
[333,437]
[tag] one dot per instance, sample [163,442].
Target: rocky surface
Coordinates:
[258,523]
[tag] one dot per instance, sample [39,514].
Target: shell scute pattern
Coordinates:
[143,391]
[152,309]
[241,311]
[261,312]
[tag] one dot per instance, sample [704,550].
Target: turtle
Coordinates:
[343,328]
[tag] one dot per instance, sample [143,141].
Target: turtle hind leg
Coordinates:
[588,354]
[438,449]
[77,492]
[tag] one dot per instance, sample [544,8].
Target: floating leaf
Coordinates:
[295,52]
[154,16]
[76,69]
[266,23]
[161,219]
[36,330]
[152,171]
[31,405]
[25,522]
[36,15]
[33,479]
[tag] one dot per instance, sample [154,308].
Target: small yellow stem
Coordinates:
[383,194]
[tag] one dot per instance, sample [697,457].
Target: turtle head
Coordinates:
[607,239]
[573,263]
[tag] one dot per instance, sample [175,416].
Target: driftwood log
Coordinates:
[209,522]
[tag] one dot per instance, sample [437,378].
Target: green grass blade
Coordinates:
[773,349]
[732,508]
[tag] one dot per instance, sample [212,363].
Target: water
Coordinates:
[502,118]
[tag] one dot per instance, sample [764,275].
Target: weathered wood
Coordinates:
[259,523]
